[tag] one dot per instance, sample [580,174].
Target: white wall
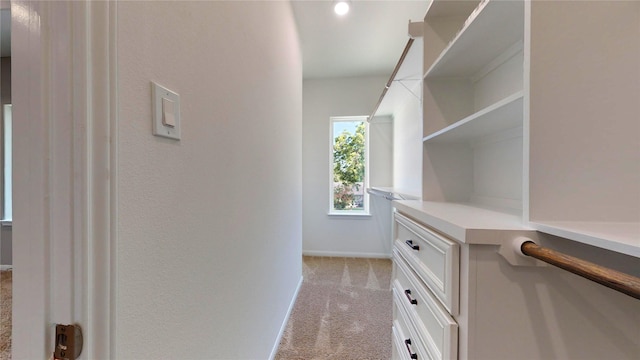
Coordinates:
[209,228]
[341,235]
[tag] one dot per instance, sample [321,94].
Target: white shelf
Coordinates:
[446,8]
[490,30]
[406,83]
[503,115]
[621,237]
[465,223]
[390,193]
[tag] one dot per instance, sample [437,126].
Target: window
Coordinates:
[349,166]
[7,206]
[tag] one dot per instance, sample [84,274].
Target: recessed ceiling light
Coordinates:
[341,8]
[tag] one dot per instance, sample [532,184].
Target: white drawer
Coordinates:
[396,346]
[405,339]
[433,257]
[437,329]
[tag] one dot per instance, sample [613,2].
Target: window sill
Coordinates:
[6,223]
[360,215]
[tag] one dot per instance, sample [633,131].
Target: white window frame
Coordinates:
[7,206]
[332,210]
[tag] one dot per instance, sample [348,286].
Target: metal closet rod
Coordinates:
[393,75]
[616,280]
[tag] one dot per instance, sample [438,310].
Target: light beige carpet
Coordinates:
[5,314]
[343,311]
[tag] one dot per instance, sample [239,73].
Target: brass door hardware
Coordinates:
[68,342]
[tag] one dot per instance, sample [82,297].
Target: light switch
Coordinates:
[166,112]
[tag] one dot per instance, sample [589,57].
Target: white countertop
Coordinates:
[471,224]
[465,223]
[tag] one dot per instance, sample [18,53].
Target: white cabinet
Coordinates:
[531,127]
[506,311]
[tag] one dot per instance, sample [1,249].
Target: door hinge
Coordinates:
[68,342]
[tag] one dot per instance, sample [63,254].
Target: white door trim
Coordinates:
[30,233]
[65,111]
[101,89]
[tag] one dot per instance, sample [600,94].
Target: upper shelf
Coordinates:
[406,81]
[439,9]
[490,30]
[503,115]
[390,193]
[621,237]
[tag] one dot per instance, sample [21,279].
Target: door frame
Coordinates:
[65,180]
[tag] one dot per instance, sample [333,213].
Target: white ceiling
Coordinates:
[366,41]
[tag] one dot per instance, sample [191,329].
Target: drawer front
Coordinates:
[433,257]
[406,341]
[396,346]
[437,329]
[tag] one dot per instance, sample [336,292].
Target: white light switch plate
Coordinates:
[160,128]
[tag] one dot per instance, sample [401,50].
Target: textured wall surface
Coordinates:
[340,235]
[209,227]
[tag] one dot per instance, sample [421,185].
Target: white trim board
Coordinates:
[346,254]
[98,101]
[276,345]
[45,292]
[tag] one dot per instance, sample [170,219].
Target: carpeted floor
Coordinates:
[343,311]
[5,314]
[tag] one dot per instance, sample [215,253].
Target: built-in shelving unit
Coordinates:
[473,104]
[532,124]
[584,127]
[522,122]
[530,131]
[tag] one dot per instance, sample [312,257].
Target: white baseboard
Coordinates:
[274,351]
[6,267]
[347,254]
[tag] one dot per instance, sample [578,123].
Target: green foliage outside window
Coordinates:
[349,168]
